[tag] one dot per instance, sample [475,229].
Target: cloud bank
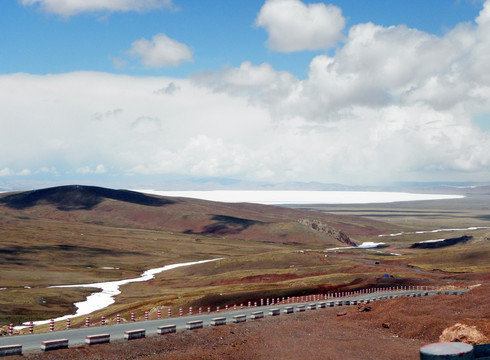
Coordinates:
[391,104]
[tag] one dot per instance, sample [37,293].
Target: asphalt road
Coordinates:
[76,337]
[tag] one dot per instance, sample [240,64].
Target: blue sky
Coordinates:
[353,92]
[220,33]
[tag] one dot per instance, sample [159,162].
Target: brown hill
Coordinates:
[123,208]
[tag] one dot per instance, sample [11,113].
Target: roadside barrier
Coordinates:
[11,350]
[97,339]
[134,334]
[54,344]
[274,312]
[191,325]
[300,308]
[311,306]
[288,310]
[239,318]
[257,315]
[166,329]
[218,321]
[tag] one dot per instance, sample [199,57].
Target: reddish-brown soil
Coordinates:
[321,334]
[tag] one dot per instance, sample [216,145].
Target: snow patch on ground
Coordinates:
[471,228]
[431,241]
[364,245]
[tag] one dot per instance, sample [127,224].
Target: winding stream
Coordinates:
[110,289]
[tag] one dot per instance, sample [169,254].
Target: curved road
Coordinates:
[76,337]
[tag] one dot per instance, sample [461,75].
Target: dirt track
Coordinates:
[320,334]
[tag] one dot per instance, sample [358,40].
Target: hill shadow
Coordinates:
[78,197]
[226,225]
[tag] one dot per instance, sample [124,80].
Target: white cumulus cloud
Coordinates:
[295,26]
[160,51]
[74,7]
[6,172]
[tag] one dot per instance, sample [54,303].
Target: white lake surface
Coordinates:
[291,197]
[100,300]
